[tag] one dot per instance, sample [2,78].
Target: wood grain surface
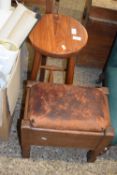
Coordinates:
[52,36]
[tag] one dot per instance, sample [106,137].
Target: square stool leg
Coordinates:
[105,141]
[36,65]
[25,142]
[70,70]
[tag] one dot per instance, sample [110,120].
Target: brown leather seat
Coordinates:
[67,108]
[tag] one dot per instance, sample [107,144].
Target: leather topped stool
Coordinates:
[70,116]
[57,36]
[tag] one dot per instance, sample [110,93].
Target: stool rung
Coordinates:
[52,68]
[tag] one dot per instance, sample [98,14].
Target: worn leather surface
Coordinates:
[67,107]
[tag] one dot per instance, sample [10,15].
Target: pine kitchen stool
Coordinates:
[66,116]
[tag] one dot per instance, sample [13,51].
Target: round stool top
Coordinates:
[58,36]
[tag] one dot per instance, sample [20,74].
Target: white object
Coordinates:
[21,19]
[5,4]
[43,138]
[78,38]
[13,85]
[73,31]
[22,29]
[4,15]
[3,81]
[1,106]
[8,98]
[11,27]
[7,59]
[63,47]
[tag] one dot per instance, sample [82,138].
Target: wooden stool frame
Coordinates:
[94,141]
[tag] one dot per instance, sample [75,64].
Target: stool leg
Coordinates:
[25,145]
[42,71]
[105,141]
[26,151]
[36,65]
[49,6]
[70,70]
[51,78]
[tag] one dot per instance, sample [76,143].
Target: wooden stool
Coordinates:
[57,36]
[68,116]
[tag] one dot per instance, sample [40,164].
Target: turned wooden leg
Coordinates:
[42,71]
[36,65]
[104,142]
[70,70]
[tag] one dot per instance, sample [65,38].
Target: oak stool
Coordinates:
[66,116]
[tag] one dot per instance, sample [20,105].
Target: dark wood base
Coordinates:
[94,141]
